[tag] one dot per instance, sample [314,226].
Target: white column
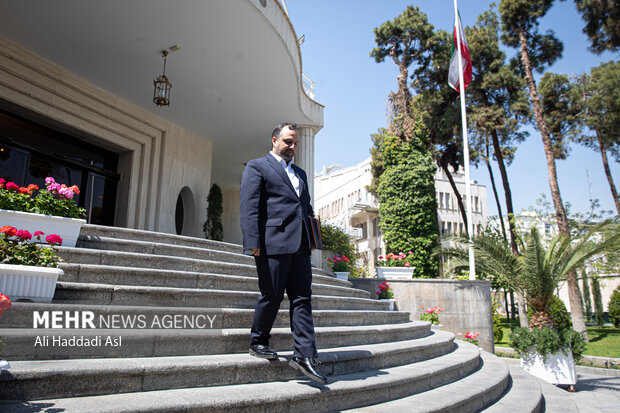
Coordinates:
[304,158]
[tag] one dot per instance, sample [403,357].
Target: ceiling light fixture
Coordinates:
[161,94]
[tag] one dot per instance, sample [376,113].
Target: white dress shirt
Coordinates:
[288,168]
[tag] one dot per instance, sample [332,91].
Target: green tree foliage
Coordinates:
[599,97]
[560,110]
[613,308]
[213,225]
[602,19]
[406,39]
[498,330]
[407,205]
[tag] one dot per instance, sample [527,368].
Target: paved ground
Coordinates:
[597,391]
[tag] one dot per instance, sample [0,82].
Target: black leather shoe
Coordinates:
[264,352]
[307,367]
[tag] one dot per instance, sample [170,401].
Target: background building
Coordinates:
[76,103]
[341,199]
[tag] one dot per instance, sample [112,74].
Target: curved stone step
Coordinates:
[101,231]
[343,391]
[157,248]
[469,394]
[163,262]
[32,380]
[115,275]
[91,293]
[524,394]
[21,315]
[21,344]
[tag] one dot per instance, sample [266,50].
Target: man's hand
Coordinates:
[255,251]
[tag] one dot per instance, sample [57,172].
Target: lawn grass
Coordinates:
[604,341]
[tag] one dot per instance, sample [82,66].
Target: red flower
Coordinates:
[23,234]
[75,189]
[2,182]
[38,233]
[23,190]
[380,257]
[5,303]
[8,230]
[410,253]
[12,186]
[53,239]
[421,306]
[407,264]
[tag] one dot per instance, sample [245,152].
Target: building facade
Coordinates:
[76,103]
[341,199]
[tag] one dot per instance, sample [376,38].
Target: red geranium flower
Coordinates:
[12,186]
[5,303]
[23,234]
[53,239]
[8,230]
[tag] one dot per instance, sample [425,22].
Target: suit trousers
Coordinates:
[291,273]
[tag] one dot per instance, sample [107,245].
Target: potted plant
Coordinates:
[5,304]
[431,314]
[548,348]
[395,266]
[28,271]
[469,337]
[341,266]
[51,210]
[385,293]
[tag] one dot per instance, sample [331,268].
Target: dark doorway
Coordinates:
[30,152]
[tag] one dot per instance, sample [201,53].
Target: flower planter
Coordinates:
[390,301]
[342,275]
[435,327]
[395,273]
[67,228]
[558,368]
[23,282]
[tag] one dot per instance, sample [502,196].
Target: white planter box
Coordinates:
[342,275]
[395,273]
[23,282]
[558,368]
[67,228]
[390,301]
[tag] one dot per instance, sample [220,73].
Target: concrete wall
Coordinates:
[157,159]
[466,304]
[608,284]
[230,217]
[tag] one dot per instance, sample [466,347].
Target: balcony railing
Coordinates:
[309,85]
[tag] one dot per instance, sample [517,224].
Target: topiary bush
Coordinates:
[561,317]
[613,308]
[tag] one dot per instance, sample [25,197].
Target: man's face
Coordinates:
[286,145]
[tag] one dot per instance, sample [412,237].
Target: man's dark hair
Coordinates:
[278,130]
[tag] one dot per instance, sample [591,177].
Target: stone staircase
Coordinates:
[376,360]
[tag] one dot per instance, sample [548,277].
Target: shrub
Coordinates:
[613,307]
[213,225]
[546,341]
[335,239]
[561,317]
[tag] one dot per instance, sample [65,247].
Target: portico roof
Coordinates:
[237,74]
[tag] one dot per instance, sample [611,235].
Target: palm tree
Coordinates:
[538,271]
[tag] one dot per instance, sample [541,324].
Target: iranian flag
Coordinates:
[453,76]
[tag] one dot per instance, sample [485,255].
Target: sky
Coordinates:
[354,88]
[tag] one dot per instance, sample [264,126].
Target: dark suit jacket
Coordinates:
[272,215]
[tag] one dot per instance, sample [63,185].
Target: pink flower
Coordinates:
[53,239]
[421,306]
[459,334]
[407,264]
[2,182]
[38,233]
[380,257]
[429,310]
[410,253]
[12,186]
[49,180]
[23,234]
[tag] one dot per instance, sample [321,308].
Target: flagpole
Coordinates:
[470,224]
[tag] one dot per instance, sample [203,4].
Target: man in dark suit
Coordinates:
[275,206]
